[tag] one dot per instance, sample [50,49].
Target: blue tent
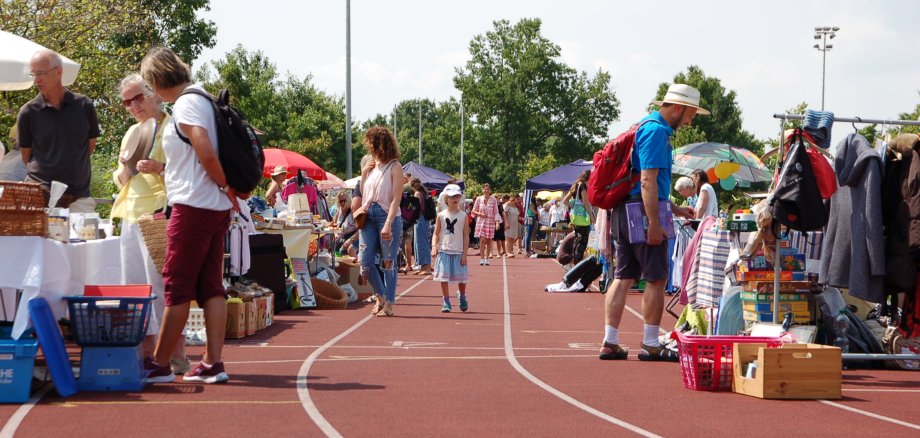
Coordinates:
[560,178]
[433,179]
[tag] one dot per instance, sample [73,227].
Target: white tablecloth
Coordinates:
[52,269]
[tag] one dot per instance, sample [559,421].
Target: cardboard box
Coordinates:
[794,262]
[785,287]
[236,321]
[797,307]
[250,309]
[348,274]
[261,307]
[797,317]
[794,371]
[742,226]
[763,297]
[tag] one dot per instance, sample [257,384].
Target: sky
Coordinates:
[406,49]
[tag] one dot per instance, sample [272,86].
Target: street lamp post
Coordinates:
[348,170]
[461,140]
[823,33]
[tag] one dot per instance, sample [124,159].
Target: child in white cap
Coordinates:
[449,245]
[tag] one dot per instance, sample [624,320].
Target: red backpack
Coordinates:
[613,176]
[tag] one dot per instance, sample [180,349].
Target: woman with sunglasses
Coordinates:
[143,191]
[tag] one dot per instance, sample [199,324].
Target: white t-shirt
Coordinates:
[450,240]
[712,207]
[187,182]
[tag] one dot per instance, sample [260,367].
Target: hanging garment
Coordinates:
[854,248]
[910,314]
[819,124]
[900,266]
[691,263]
[713,255]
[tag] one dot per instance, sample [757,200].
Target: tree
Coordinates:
[293,113]
[521,98]
[915,115]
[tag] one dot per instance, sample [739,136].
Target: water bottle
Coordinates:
[841,326]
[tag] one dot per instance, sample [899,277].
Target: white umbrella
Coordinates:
[351,183]
[15,54]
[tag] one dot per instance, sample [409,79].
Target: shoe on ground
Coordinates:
[482,262]
[464,304]
[207,374]
[486,262]
[446,307]
[180,366]
[613,352]
[156,373]
[660,353]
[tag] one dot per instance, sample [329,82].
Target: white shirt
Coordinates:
[556,213]
[712,207]
[187,182]
[544,217]
[450,241]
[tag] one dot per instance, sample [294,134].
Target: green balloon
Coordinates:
[728,183]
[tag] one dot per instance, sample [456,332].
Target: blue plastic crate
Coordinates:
[17,358]
[111,369]
[109,321]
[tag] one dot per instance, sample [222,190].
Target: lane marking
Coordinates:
[445,347]
[871,414]
[303,390]
[882,390]
[410,344]
[68,404]
[509,353]
[16,419]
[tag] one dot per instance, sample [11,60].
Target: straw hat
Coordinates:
[138,145]
[279,170]
[680,94]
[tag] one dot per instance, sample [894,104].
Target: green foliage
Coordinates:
[915,115]
[535,165]
[293,113]
[108,39]
[521,98]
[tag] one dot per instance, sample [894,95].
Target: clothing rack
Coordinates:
[776,266]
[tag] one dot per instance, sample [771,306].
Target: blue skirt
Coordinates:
[448,269]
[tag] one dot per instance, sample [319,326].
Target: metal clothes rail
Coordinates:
[776,266]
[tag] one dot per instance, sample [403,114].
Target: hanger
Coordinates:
[855,129]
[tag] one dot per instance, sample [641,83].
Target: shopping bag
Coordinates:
[714,248]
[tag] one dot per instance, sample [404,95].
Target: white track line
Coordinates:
[870,414]
[509,353]
[302,385]
[13,423]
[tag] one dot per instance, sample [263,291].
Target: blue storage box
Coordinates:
[17,359]
[111,369]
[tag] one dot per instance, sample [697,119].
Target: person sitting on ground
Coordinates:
[449,246]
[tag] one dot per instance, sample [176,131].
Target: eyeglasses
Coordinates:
[341,201]
[138,98]
[39,74]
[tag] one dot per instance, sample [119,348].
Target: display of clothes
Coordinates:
[853,256]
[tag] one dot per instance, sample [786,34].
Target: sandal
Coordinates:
[385,310]
[378,307]
[423,273]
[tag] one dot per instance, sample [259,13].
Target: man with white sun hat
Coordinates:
[649,259]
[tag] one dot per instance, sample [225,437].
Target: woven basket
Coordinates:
[22,210]
[328,295]
[153,229]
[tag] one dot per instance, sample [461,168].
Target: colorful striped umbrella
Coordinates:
[706,156]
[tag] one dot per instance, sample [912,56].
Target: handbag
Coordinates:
[153,230]
[797,201]
[360,216]
[579,214]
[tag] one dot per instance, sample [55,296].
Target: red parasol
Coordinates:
[293,162]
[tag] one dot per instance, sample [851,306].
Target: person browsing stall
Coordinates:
[139,177]
[649,259]
[201,202]
[706,202]
[279,174]
[57,134]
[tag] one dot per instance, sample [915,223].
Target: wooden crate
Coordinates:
[793,371]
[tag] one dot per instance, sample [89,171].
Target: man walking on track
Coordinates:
[649,259]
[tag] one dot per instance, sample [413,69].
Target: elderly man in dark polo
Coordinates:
[57,134]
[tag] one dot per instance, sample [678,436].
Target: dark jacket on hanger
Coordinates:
[900,266]
[853,256]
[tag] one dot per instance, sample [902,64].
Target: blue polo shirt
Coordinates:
[653,151]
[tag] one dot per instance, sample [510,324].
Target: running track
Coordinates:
[521,362]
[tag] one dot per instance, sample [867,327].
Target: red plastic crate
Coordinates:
[706,361]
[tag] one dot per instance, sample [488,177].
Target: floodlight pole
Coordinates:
[420,131]
[461,140]
[822,33]
[348,170]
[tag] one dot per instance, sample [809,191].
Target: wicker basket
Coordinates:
[328,295]
[22,210]
[153,229]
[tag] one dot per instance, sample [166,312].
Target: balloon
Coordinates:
[728,183]
[711,173]
[726,169]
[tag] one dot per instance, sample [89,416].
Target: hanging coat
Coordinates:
[853,256]
[900,266]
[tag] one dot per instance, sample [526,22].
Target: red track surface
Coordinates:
[427,373]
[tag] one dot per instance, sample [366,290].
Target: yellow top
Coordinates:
[145,192]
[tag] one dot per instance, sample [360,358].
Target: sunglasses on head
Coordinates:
[138,98]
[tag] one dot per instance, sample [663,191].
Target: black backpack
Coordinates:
[797,201]
[430,211]
[239,149]
[409,207]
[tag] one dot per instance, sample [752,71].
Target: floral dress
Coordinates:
[485,220]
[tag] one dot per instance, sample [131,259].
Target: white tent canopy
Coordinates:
[15,54]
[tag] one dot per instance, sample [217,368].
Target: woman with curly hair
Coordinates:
[382,180]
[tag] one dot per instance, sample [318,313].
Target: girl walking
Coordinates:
[449,246]
[485,210]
